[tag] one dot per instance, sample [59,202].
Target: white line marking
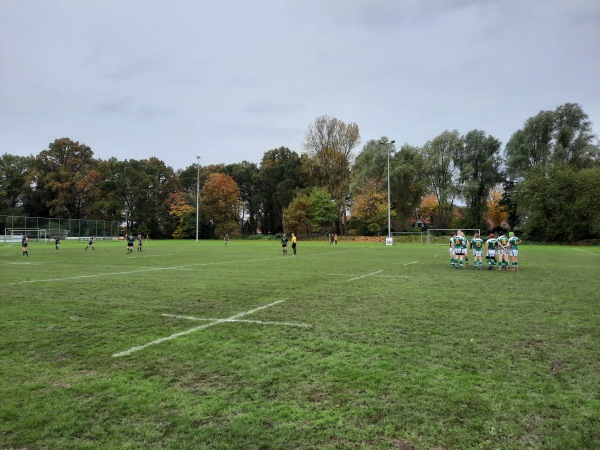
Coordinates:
[408,264]
[366,275]
[34,262]
[395,276]
[173,268]
[587,253]
[261,322]
[193,330]
[94,276]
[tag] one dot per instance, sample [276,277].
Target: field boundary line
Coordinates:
[587,253]
[193,330]
[47,280]
[366,275]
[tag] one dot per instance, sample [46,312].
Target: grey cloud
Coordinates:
[272,107]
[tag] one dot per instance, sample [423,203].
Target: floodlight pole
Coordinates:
[389,240]
[197,193]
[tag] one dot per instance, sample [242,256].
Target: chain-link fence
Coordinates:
[72,228]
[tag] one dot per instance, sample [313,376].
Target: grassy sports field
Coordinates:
[201,346]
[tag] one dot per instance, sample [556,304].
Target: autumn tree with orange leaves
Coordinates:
[370,206]
[496,213]
[220,204]
[182,211]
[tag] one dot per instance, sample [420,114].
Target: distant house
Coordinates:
[420,222]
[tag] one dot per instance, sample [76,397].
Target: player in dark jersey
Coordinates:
[24,242]
[91,243]
[130,240]
[284,242]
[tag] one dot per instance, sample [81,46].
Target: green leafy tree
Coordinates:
[508,201]
[329,143]
[563,206]
[108,205]
[407,183]
[371,164]
[57,175]
[245,175]
[478,160]
[563,136]
[323,210]
[297,216]
[278,181]
[13,182]
[442,174]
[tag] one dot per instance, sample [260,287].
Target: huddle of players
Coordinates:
[496,250]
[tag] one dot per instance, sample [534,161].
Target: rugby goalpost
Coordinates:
[409,236]
[444,233]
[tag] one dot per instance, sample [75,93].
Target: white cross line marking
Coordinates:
[193,330]
[366,275]
[261,322]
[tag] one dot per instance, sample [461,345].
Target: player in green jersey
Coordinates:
[452,255]
[514,250]
[490,251]
[458,244]
[502,247]
[477,245]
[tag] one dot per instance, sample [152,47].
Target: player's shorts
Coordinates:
[513,252]
[458,251]
[451,251]
[477,253]
[491,254]
[502,252]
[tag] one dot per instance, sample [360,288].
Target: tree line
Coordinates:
[545,183]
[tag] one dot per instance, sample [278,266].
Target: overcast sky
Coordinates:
[227,80]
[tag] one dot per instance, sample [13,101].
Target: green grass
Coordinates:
[401,352]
